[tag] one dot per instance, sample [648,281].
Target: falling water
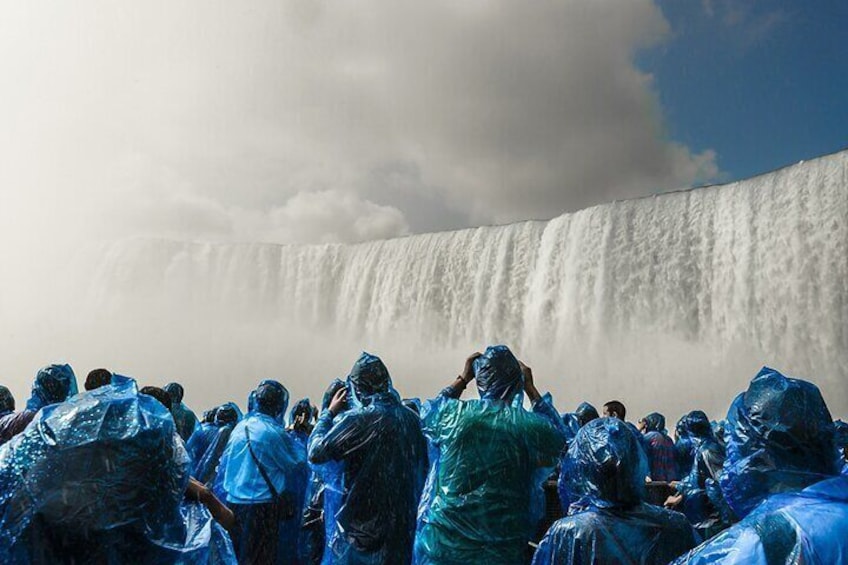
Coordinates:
[671,301]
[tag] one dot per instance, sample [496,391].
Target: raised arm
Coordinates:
[549,439]
[322,442]
[456,388]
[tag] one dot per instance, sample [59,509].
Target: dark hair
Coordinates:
[98,378]
[209,416]
[7,401]
[617,408]
[163,397]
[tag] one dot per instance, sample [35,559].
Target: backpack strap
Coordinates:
[262,471]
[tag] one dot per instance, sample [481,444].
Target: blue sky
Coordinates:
[764,84]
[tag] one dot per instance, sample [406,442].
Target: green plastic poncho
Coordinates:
[490,457]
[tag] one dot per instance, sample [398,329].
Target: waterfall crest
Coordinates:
[671,301]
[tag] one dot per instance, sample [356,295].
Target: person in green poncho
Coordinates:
[489,458]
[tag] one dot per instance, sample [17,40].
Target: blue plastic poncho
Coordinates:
[498,374]
[315,529]
[840,442]
[183,416]
[301,409]
[199,442]
[53,384]
[684,453]
[610,522]
[702,502]
[262,476]
[660,449]
[781,476]
[718,428]
[7,401]
[586,413]
[489,458]
[413,404]
[372,459]
[206,446]
[573,421]
[203,435]
[780,439]
[102,477]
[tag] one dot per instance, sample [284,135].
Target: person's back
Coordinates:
[697,490]
[53,384]
[262,476]
[809,527]
[477,506]
[203,436]
[102,479]
[488,453]
[205,463]
[660,449]
[644,534]
[382,454]
[611,523]
[782,478]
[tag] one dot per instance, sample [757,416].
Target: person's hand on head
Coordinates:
[468,371]
[529,385]
[339,402]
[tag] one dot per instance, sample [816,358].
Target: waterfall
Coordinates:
[671,301]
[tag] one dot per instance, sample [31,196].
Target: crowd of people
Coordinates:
[122,474]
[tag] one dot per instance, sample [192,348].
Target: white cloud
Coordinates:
[324,120]
[333,215]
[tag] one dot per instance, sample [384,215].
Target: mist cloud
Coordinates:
[326,121]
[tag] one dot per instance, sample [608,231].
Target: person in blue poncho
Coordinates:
[53,384]
[375,454]
[103,478]
[490,459]
[262,476]
[203,435]
[585,413]
[696,492]
[684,454]
[781,477]
[659,448]
[610,522]
[205,462]
[300,420]
[573,421]
[315,530]
[183,416]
